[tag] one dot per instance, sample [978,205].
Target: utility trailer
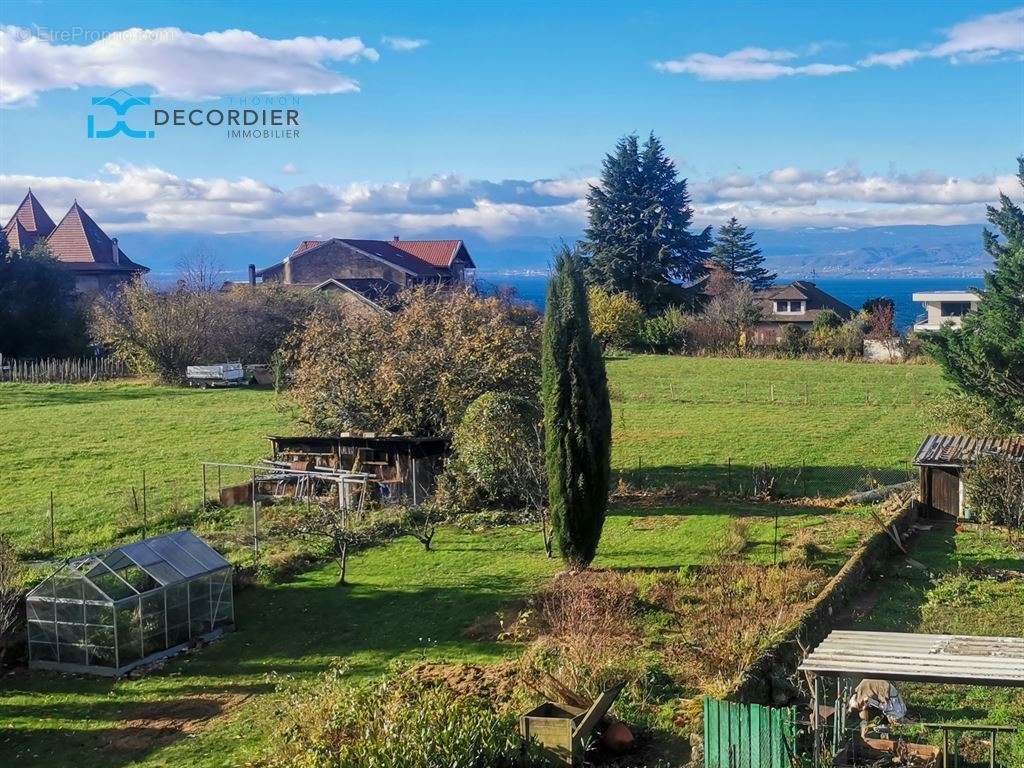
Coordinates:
[220,375]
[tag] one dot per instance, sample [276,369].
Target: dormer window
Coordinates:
[789,306]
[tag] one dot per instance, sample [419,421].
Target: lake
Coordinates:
[852,290]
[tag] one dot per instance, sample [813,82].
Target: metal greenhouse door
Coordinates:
[748,735]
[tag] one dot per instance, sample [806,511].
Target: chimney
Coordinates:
[252,274]
[287,270]
[115,252]
[396,239]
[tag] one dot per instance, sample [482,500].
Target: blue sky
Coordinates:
[493,117]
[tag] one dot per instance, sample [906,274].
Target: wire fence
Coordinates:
[70,370]
[765,480]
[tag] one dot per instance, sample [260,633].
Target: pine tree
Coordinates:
[577,416]
[638,236]
[985,357]
[738,254]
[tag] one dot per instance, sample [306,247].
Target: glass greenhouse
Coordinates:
[110,612]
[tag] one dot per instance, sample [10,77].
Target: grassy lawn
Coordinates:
[838,420]
[89,444]
[404,604]
[972,584]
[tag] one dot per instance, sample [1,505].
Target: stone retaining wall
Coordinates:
[768,680]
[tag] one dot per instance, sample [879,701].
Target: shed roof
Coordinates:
[959,659]
[958,450]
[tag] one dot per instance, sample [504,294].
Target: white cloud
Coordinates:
[176,64]
[748,64]
[129,198]
[290,169]
[403,44]
[986,37]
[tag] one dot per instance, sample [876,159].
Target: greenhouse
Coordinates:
[109,612]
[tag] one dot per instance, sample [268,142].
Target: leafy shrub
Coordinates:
[794,340]
[614,317]
[995,491]
[416,369]
[163,332]
[391,723]
[666,332]
[827,320]
[498,456]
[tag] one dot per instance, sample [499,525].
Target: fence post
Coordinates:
[53,539]
[728,474]
[204,485]
[145,511]
[255,524]
[803,475]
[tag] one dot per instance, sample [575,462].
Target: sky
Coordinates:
[426,119]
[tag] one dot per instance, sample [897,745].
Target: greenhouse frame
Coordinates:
[110,612]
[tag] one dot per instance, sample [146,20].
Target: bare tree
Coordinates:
[10,593]
[200,272]
[324,521]
[737,309]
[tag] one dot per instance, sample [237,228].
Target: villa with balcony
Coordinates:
[944,308]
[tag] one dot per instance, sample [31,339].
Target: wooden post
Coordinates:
[145,511]
[255,524]
[53,538]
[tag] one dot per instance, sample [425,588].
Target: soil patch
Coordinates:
[495,683]
[156,724]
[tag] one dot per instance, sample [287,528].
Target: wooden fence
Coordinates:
[62,370]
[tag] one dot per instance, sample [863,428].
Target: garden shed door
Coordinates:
[748,735]
[943,492]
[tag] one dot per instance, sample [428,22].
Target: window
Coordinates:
[954,308]
[783,306]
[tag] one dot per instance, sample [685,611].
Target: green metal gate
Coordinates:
[748,735]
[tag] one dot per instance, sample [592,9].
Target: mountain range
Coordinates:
[895,251]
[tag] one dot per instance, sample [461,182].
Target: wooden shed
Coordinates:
[941,460]
[403,469]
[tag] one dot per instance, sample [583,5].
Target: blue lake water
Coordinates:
[852,290]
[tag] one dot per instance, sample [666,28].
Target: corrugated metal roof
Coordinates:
[959,659]
[958,450]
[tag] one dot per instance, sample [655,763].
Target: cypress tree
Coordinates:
[985,358]
[638,236]
[577,415]
[738,254]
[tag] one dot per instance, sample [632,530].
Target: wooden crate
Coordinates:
[564,731]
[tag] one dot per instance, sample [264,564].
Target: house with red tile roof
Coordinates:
[96,260]
[383,267]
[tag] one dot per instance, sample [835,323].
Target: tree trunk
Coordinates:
[342,562]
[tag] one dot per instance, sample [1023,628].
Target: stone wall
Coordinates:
[768,680]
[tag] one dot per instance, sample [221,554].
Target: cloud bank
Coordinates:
[177,64]
[988,37]
[993,37]
[748,64]
[137,198]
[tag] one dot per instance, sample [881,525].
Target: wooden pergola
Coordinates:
[899,656]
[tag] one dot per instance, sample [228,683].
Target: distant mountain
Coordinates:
[874,251]
[908,251]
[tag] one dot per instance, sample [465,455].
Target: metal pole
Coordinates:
[815,721]
[204,485]
[412,461]
[144,516]
[255,524]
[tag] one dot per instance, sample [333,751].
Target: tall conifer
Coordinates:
[577,416]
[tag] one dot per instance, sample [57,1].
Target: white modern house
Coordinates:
[944,308]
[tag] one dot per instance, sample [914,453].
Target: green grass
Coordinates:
[962,590]
[690,412]
[404,604]
[89,444]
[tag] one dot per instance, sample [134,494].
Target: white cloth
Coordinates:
[892,706]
